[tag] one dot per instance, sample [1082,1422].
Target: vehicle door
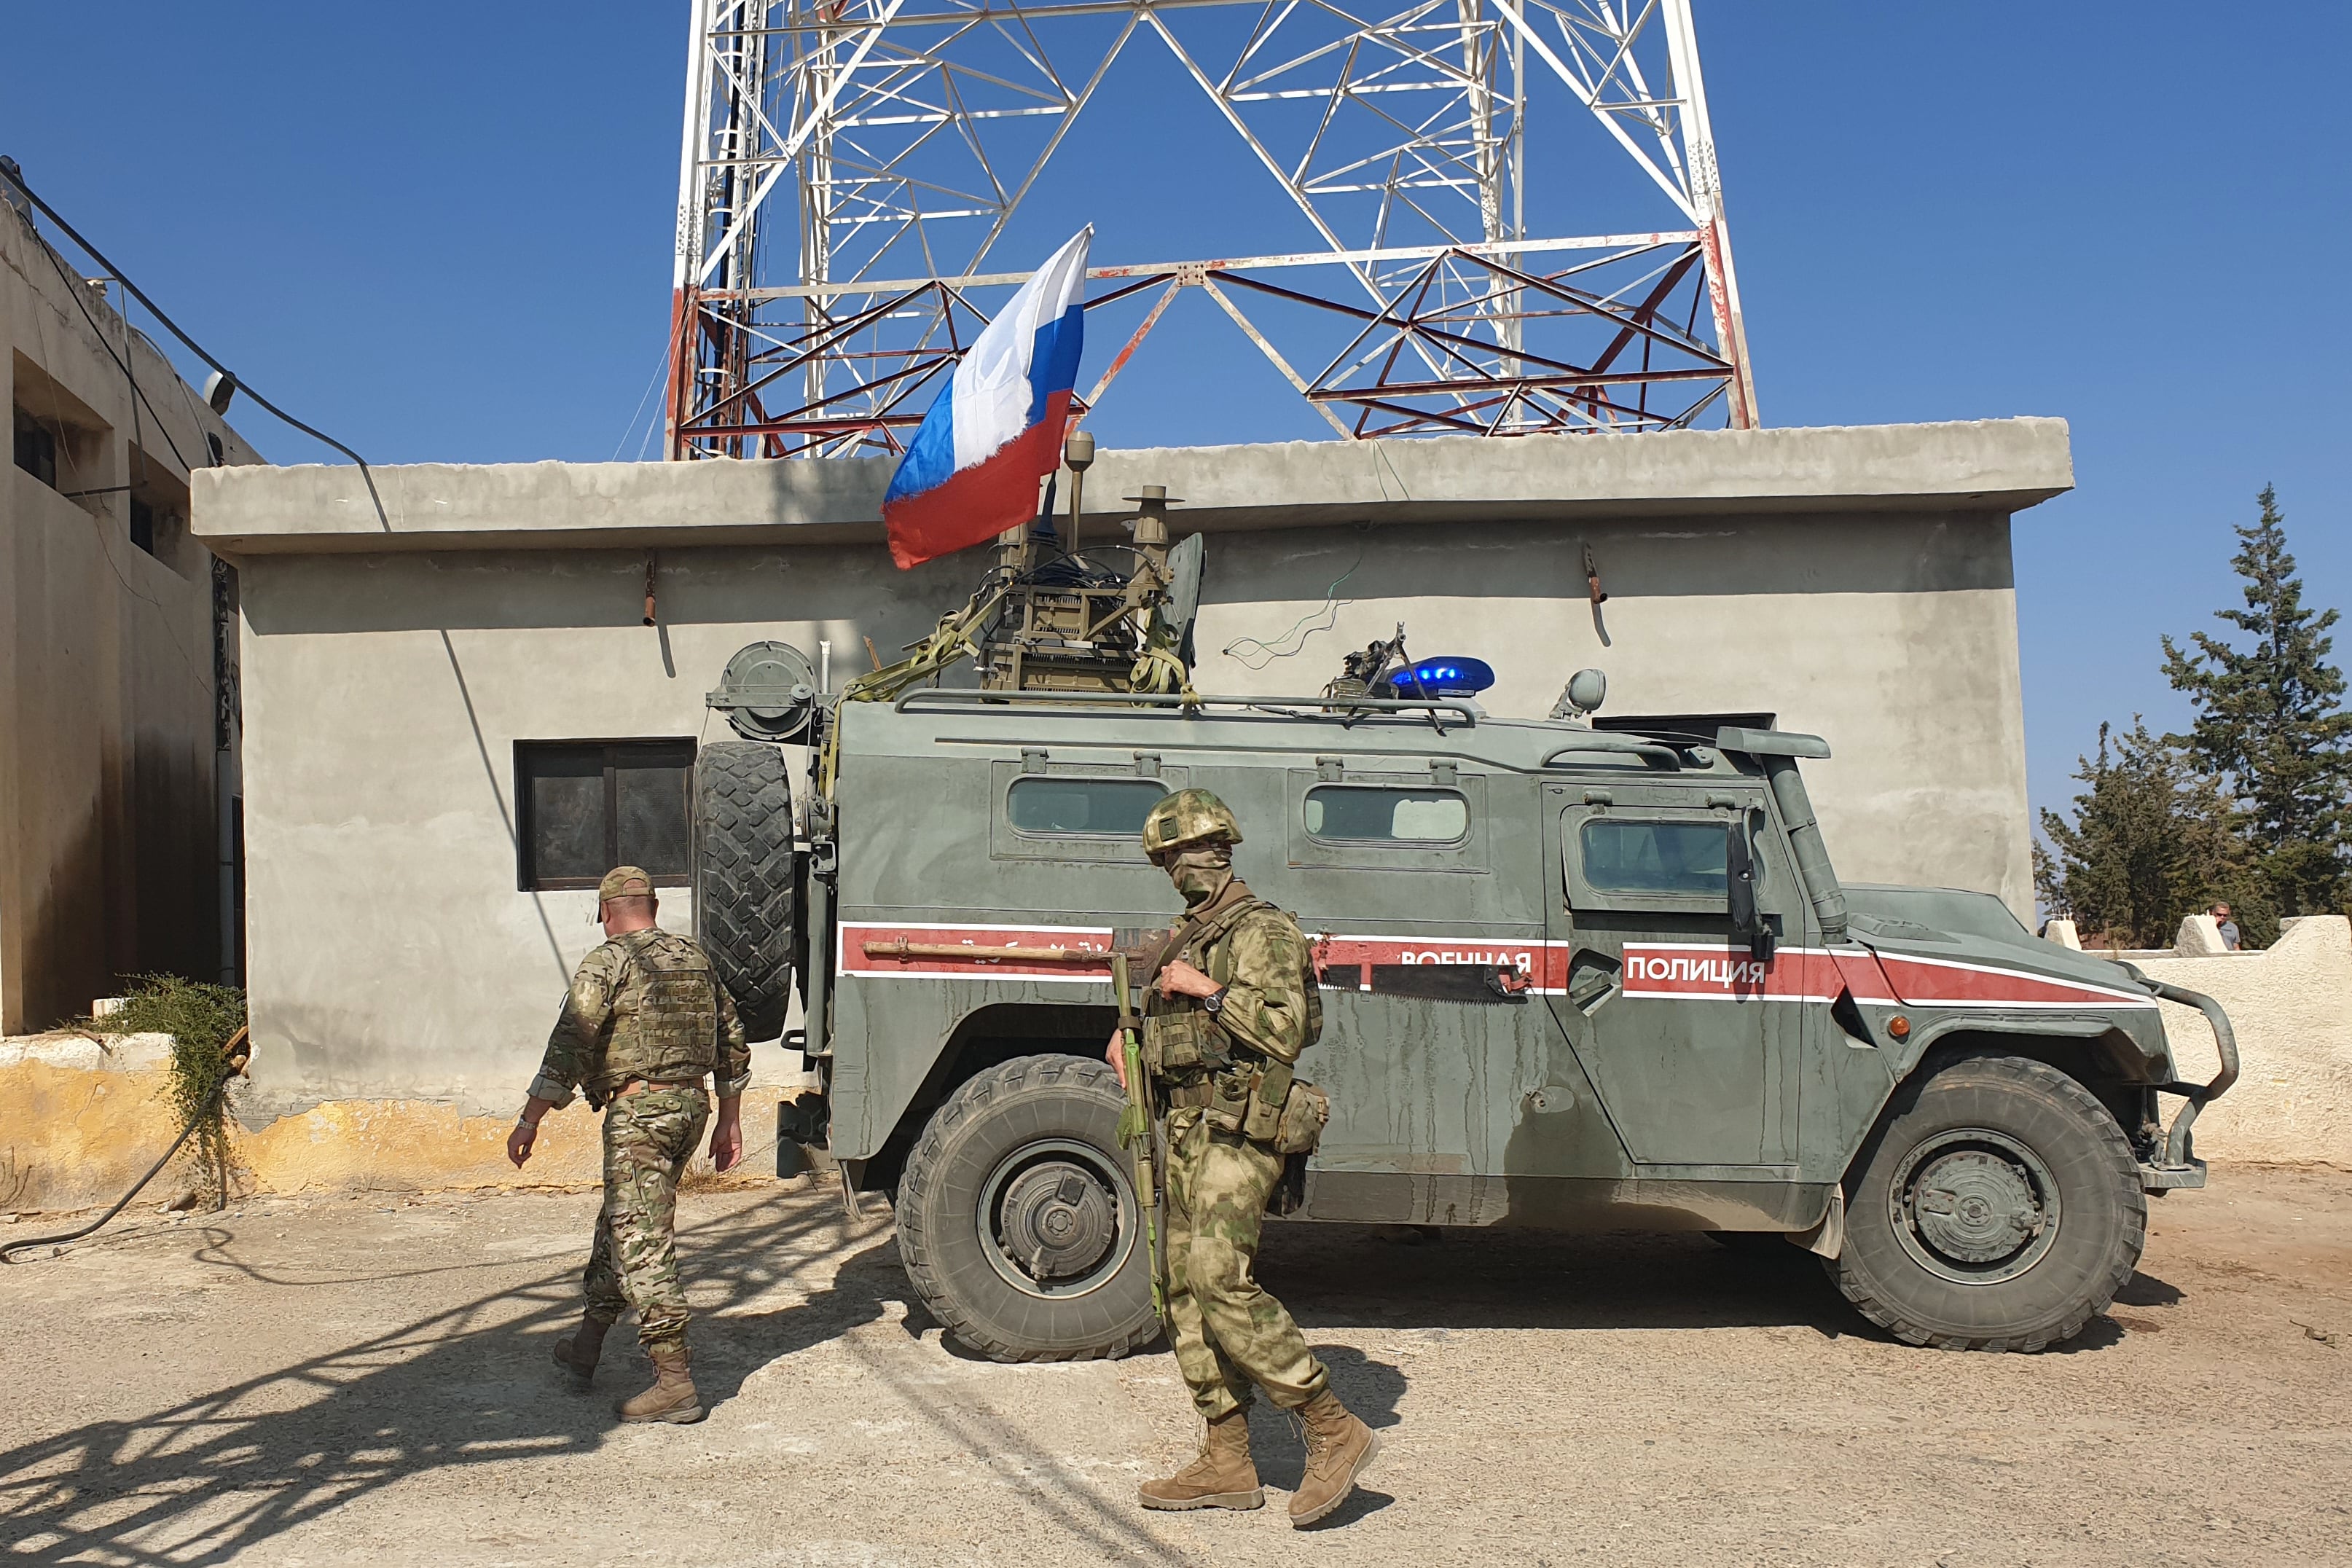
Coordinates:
[1673,1009]
[1424,896]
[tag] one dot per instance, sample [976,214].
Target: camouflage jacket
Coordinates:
[646,1006]
[1271,1007]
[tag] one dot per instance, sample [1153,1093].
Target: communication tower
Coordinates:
[849,166]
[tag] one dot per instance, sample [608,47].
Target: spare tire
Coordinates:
[744,904]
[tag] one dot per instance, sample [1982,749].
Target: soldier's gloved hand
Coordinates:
[1180,979]
[1116,1056]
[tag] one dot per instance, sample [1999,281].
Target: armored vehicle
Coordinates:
[1576,974]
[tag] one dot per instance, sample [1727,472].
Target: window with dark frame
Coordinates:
[586,806]
[1082,807]
[37,449]
[1364,813]
[1640,855]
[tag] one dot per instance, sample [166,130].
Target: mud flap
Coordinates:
[1827,1239]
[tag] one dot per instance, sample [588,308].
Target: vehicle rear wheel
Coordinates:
[1997,1208]
[1017,1215]
[744,878]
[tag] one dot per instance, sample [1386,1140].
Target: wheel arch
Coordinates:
[2095,1054]
[987,1036]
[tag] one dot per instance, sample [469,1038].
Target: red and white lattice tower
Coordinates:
[848,167]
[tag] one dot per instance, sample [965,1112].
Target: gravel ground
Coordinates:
[365,1380]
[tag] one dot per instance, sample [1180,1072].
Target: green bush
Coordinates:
[201,1019]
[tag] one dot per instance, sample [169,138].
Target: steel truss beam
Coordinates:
[908,133]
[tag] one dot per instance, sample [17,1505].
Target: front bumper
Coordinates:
[2177,1167]
[2156,1178]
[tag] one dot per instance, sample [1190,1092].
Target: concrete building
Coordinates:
[449,703]
[113,729]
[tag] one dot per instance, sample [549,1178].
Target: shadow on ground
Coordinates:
[216,1476]
[1344,1276]
[207,1479]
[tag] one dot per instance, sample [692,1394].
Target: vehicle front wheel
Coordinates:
[1998,1207]
[1017,1215]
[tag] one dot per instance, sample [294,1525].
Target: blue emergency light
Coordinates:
[1448,676]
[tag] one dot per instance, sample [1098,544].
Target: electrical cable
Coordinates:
[1332,605]
[659,371]
[15,177]
[75,286]
[239,1051]
[64,452]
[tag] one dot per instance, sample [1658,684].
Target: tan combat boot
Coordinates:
[576,1352]
[1339,1449]
[1221,1477]
[672,1397]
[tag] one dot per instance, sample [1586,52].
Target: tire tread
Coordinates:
[923,1162]
[2125,1174]
[744,881]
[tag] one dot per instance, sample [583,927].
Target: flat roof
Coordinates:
[1991,465]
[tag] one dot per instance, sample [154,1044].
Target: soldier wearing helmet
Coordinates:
[645,1023]
[1232,1003]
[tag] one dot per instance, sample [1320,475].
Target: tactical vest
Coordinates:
[665,1017]
[1200,1063]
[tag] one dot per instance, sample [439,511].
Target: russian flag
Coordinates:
[973,468]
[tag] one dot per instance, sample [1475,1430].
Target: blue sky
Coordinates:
[443,232]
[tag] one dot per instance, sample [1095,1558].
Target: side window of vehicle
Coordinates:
[1097,807]
[1382,813]
[1401,822]
[1075,811]
[1668,854]
[1640,855]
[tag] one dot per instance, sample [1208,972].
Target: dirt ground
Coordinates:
[365,1381]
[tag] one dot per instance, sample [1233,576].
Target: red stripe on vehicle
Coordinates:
[1946,983]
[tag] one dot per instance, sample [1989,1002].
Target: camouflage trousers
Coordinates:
[648,1137]
[1229,1332]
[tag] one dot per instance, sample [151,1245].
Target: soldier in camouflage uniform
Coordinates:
[644,1022]
[1233,1004]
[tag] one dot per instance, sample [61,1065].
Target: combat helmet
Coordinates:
[1188,817]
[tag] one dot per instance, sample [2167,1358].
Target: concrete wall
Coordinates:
[107,816]
[391,660]
[83,1117]
[2290,1006]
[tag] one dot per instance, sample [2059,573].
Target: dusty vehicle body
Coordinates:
[1543,1004]
[1572,976]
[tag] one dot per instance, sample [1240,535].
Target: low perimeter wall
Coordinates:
[82,1118]
[2291,1008]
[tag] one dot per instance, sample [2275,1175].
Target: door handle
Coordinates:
[1592,979]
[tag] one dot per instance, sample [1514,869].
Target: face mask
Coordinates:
[1201,874]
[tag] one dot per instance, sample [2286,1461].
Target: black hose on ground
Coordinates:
[239,1051]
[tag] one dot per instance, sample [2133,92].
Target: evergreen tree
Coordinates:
[2271,723]
[2150,842]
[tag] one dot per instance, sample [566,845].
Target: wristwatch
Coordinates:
[1216,1003]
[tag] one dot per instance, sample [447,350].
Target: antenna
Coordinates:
[848,168]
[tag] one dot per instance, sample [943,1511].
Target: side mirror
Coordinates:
[1739,868]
